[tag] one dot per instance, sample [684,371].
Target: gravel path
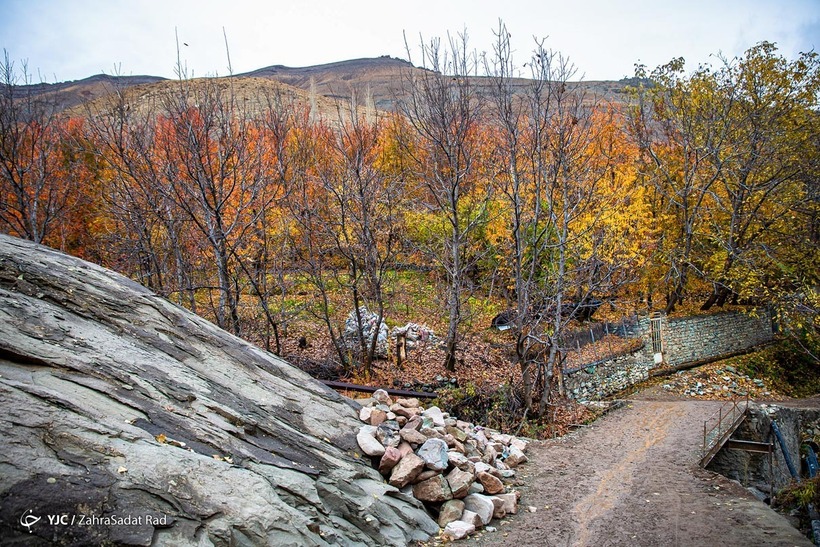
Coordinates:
[632,478]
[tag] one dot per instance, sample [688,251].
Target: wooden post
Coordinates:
[401,348]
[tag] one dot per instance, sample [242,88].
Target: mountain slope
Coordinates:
[380,82]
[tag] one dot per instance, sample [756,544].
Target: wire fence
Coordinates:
[596,343]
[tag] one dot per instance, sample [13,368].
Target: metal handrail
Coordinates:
[729,416]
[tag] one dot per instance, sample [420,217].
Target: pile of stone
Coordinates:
[455,468]
[415,334]
[716,382]
[369,329]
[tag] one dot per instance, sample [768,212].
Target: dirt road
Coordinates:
[632,478]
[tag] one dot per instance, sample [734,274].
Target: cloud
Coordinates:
[72,40]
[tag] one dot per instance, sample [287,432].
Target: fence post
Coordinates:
[703,451]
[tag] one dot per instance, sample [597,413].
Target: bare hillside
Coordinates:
[380,82]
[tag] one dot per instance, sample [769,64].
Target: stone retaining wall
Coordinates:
[686,340]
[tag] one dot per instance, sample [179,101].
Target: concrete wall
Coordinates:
[686,340]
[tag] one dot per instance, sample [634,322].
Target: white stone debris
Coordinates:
[458,467]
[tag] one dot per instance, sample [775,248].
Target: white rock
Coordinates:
[434,453]
[471,518]
[368,443]
[364,413]
[499,512]
[520,444]
[515,457]
[435,414]
[479,436]
[458,530]
[481,505]
[481,467]
[510,502]
[382,397]
[502,438]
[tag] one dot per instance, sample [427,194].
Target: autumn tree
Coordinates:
[680,131]
[763,176]
[361,219]
[570,200]
[267,257]
[35,187]
[214,161]
[727,149]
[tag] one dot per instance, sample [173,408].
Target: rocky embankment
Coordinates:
[716,381]
[457,469]
[127,420]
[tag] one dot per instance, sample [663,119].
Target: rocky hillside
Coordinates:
[127,420]
[379,79]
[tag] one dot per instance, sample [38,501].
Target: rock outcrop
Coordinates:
[116,404]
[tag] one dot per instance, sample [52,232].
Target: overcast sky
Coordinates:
[74,39]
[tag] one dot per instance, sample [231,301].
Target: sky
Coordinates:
[63,40]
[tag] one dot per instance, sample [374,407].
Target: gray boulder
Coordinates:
[481,505]
[434,453]
[115,402]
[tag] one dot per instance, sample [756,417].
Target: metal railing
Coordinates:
[724,422]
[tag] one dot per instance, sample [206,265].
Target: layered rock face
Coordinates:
[126,419]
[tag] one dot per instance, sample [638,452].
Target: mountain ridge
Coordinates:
[376,79]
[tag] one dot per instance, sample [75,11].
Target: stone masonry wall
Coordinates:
[686,340]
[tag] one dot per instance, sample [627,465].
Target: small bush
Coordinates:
[800,494]
[786,367]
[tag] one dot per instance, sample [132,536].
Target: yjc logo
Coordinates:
[28,520]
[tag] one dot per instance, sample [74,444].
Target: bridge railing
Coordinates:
[719,427]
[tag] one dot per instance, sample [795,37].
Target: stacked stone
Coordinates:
[454,467]
[369,329]
[415,334]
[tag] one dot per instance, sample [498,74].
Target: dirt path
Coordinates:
[632,479]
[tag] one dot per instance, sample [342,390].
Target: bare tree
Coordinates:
[215,173]
[524,194]
[444,111]
[148,232]
[348,214]
[553,155]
